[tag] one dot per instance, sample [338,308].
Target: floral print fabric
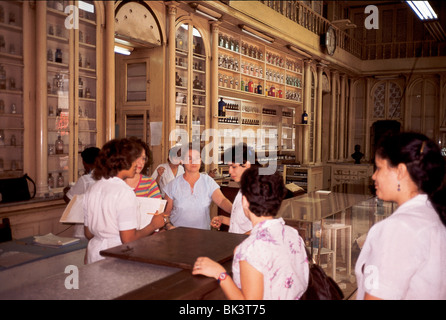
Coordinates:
[278,252]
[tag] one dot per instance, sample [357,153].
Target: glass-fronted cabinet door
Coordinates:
[87,84]
[71,90]
[59,78]
[190,82]
[11,89]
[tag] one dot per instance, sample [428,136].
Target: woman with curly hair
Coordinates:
[110,205]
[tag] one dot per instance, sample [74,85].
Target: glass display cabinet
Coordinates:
[71,90]
[334,226]
[262,88]
[11,89]
[190,81]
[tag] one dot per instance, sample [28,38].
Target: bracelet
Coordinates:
[222,276]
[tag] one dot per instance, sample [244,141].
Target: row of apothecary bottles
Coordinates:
[196,99]
[59,182]
[196,84]
[252,51]
[58,85]
[197,65]
[257,71]
[11,16]
[12,142]
[12,110]
[195,120]
[4,80]
[60,5]
[235,120]
[181,44]
[3,46]
[14,165]
[58,147]
[57,57]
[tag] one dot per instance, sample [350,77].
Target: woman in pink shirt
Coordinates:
[271,263]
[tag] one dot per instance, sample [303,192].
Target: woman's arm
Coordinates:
[370,297]
[88,233]
[251,279]
[133,234]
[221,201]
[169,205]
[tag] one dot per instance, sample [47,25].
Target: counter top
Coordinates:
[103,280]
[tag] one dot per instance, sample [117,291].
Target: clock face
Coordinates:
[330,41]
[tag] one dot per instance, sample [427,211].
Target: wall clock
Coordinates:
[328,40]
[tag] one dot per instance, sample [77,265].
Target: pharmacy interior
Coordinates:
[302,82]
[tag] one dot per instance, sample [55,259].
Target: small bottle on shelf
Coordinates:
[50,181]
[58,56]
[221,108]
[305,117]
[59,145]
[60,180]
[81,88]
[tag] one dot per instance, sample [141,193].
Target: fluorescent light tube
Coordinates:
[423,10]
[122,50]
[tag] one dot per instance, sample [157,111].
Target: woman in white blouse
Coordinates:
[166,172]
[110,205]
[404,256]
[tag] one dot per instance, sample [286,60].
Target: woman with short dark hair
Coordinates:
[271,263]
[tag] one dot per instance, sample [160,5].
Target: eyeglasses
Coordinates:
[143,158]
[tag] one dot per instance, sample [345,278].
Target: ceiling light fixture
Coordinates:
[300,52]
[206,12]
[423,10]
[256,34]
[122,50]
[123,47]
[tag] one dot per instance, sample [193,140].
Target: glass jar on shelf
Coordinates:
[60,180]
[2,137]
[2,78]
[51,181]
[58,56]
[59,145]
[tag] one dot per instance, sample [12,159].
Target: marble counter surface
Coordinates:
[102,280]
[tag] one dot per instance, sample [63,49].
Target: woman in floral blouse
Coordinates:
[271,263]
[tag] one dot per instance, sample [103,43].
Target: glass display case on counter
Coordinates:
[11,89]
[334,226]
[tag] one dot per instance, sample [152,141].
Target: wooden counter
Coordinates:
[125,278]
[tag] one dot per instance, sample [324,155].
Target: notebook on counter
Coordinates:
[53,241]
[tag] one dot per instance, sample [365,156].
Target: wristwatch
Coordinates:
[166,220]
[222,276]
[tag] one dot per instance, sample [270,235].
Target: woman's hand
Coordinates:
[161,171]
[216,222]
[157,221]
[207,267]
